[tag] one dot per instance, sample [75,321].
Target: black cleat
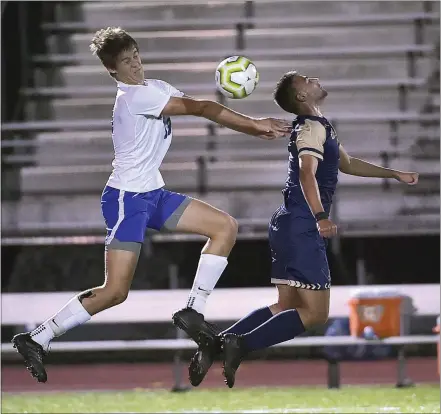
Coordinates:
[233,347]
[202,360]
[32,353]
[193,323]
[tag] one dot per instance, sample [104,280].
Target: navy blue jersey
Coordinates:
[315,136]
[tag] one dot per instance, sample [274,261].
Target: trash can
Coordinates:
[376,308]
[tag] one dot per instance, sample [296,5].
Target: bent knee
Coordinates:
[310,318]
[228,228]
[233,226]
[115,297]
[283,306]
[320,318]
[314,317]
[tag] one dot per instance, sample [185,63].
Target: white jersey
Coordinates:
[141,136]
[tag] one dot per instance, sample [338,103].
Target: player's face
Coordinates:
[129,67]
[311,87]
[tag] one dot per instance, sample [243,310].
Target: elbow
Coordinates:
[345,167]
[201,108]
[206,109]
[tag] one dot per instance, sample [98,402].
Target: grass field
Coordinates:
[381,399]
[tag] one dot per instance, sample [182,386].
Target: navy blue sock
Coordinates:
[280,328]
[251,321]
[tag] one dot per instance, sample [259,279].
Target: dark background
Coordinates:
[388,260]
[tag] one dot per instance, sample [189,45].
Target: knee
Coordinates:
[228,228]
[282,306]
[314,317]
[116,296]
[309,317]
[320,317]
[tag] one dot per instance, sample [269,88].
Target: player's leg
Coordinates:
[121,258]
[300,269]
[33,346]
[221,230]
[179,213]
[209,348]
[183,214]
[292,318]
[296,311]
[261,315]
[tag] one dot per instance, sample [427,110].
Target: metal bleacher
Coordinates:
[375,58]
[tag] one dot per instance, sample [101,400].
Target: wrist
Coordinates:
[395,174]
[259,126]
[321,215]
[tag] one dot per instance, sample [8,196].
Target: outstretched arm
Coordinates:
[267,128]
[355,166]
[150,99]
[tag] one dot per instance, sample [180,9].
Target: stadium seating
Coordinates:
[374,57]
[249,21]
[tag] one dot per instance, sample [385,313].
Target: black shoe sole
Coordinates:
[211,348]
[233,356]
[36,373]
[194,375]
[230,377]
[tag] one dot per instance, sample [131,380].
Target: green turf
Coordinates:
[381,399]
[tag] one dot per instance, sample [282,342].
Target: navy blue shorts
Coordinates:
[128,215]
[298,252]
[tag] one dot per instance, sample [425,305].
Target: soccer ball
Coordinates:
[236,77]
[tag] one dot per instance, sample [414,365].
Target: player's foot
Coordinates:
[193,324]
[233,347]
[203,359]
[32,353]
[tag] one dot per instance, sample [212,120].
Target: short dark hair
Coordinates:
[284,93]
[108,43]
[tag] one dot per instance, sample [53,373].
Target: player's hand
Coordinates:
[409,178]
[271,128]
[326,228]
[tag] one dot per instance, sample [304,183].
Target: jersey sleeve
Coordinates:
[311,137]
[149,100]
[175,92]
[169,89]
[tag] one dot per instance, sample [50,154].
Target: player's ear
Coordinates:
[301,96]
[112,71]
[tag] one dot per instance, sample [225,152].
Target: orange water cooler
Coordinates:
[377,308]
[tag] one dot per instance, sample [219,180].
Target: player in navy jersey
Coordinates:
[298,233]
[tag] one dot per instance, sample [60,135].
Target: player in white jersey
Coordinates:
[134,198]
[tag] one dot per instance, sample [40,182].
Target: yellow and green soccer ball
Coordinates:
[236,77]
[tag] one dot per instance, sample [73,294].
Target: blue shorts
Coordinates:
[298,252]
[128,215]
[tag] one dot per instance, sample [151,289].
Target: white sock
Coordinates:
[209,271]
[68,317]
